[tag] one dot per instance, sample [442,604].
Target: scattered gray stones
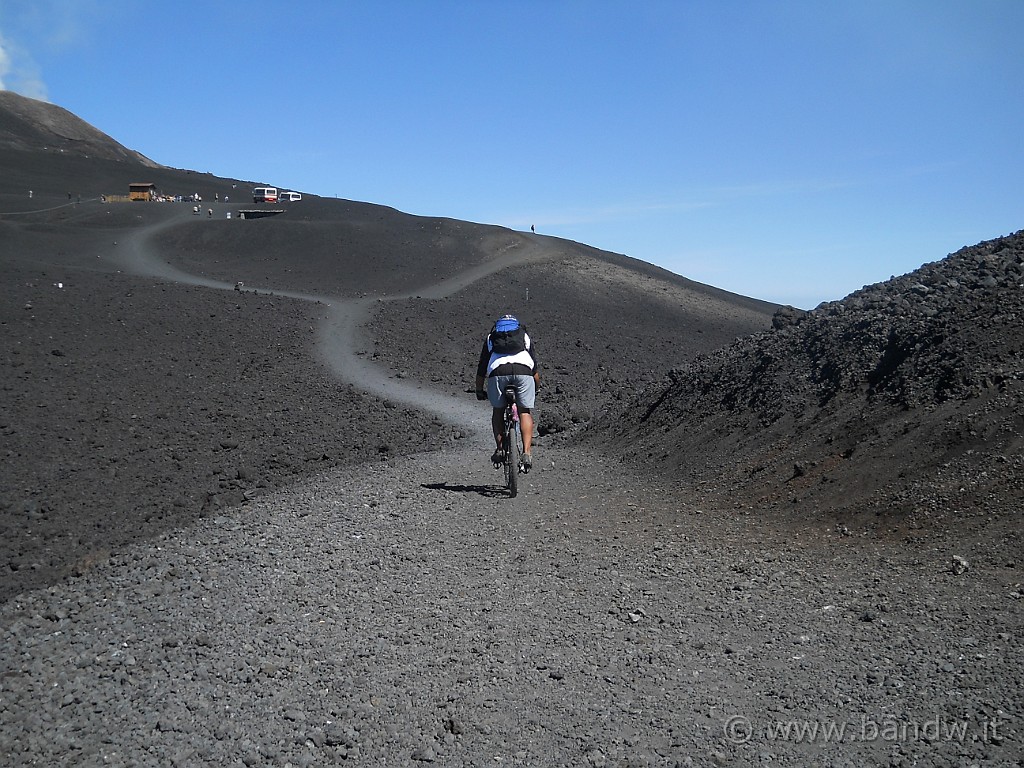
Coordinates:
[391,615]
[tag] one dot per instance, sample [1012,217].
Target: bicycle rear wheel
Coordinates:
[512,461]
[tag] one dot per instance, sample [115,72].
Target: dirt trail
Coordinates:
[339,338]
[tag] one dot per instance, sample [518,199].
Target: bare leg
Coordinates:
[498,425]
[526,425]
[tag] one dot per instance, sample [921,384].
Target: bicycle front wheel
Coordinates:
[512,461]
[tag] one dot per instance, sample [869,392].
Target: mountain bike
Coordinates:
[512,443]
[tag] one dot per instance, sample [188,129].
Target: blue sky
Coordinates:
[792,151]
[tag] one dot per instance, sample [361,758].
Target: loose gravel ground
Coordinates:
[406,613]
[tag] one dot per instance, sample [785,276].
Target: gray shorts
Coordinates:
[526,390]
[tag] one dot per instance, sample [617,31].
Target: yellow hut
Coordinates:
[141,191]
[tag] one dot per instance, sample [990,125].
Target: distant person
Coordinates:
[532,229]
[508,358]
[30,194]
[209,212]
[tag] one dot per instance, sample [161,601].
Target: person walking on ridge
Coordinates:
[508,358]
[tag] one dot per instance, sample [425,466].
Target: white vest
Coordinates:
[523,358]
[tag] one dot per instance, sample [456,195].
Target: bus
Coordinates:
[264,195]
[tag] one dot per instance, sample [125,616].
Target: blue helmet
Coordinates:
[507,323]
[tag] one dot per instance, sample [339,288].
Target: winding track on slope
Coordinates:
[339,334]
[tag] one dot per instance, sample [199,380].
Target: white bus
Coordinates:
[264,195]
[289,196]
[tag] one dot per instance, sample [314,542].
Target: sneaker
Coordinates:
[527,462]
[498,456]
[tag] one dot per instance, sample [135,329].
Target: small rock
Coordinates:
[425,754]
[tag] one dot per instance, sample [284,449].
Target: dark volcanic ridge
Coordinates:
[903,400]
[40,127]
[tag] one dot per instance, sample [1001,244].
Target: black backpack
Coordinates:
[508,342]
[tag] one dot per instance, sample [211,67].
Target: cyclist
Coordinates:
[508,358]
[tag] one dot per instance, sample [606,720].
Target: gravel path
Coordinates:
[341,344]
[405,612]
